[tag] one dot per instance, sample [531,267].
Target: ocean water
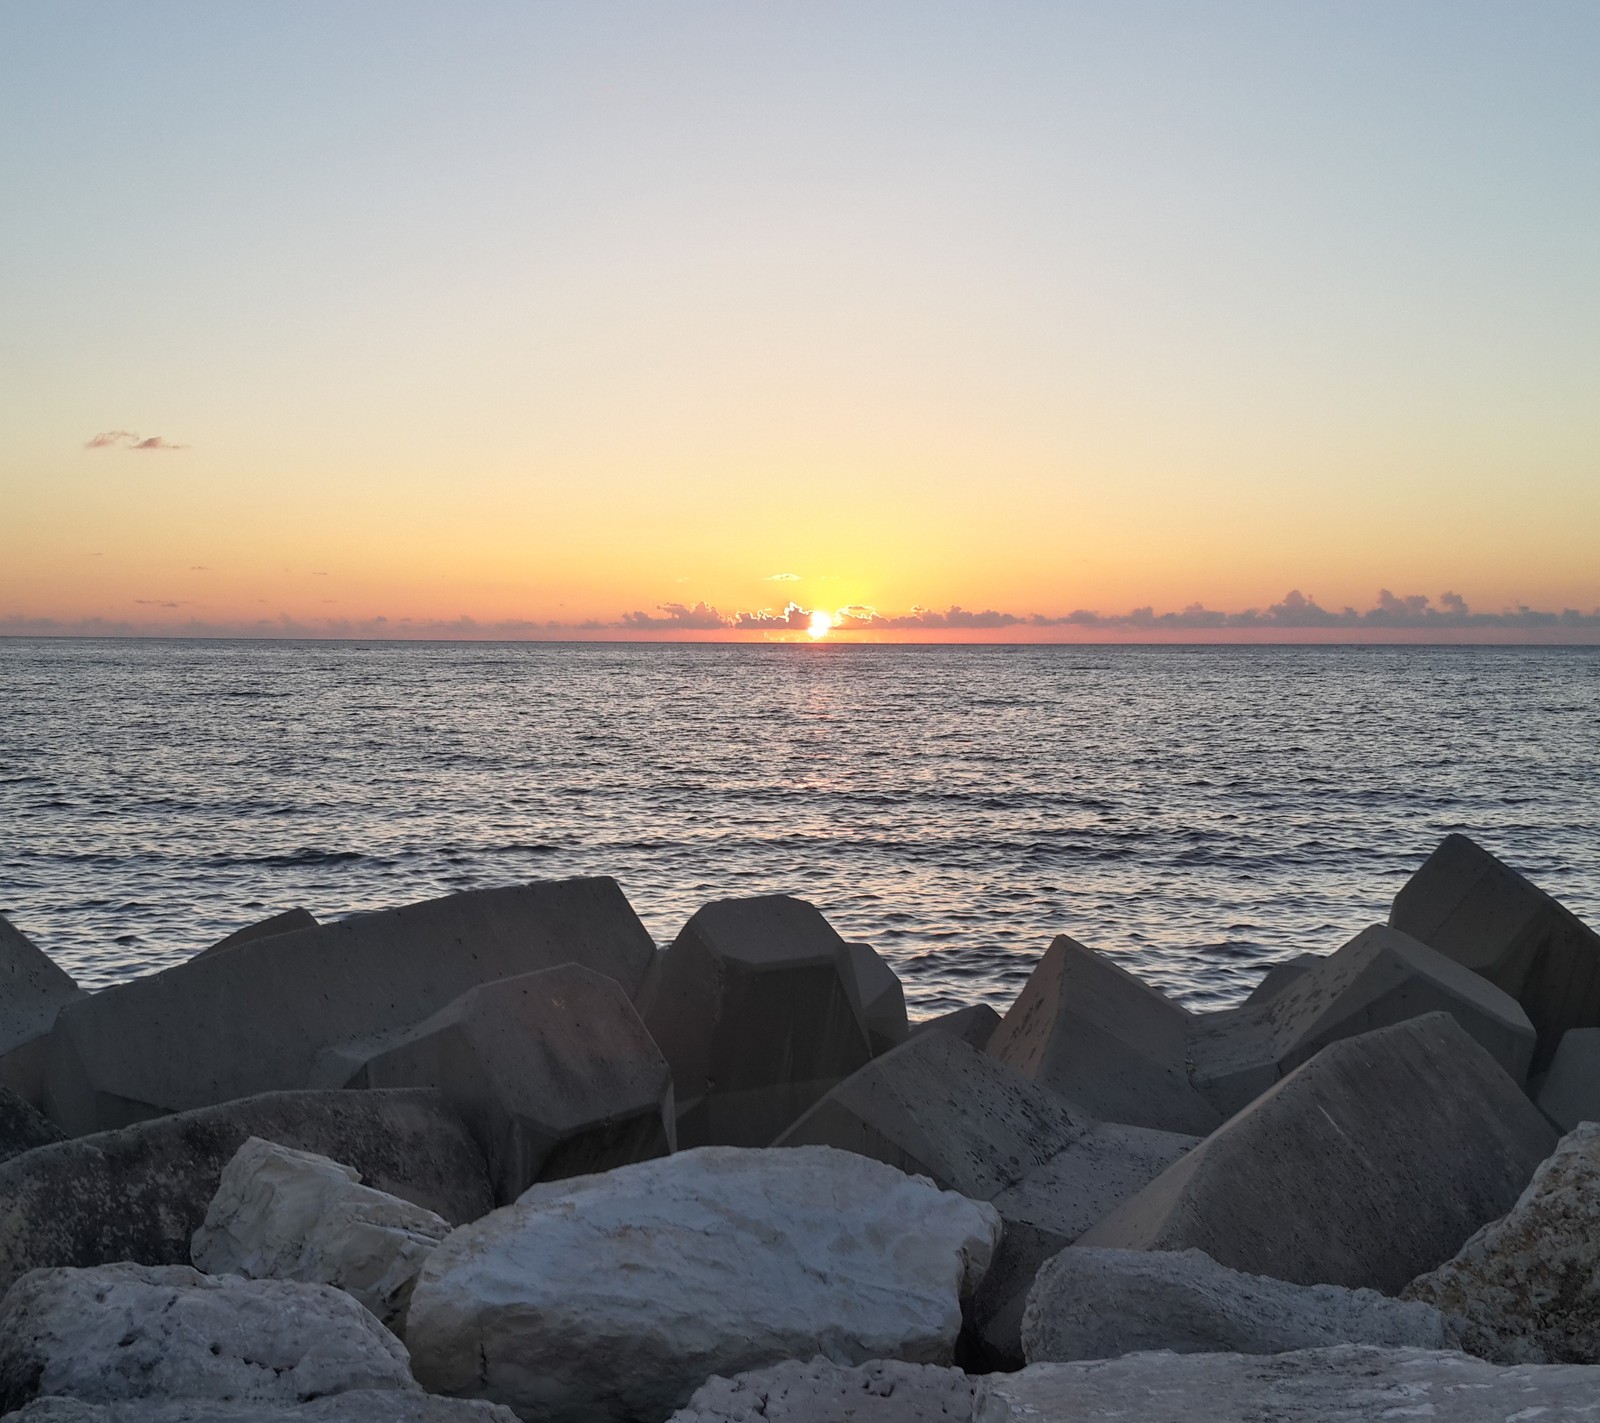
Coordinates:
[1201,812]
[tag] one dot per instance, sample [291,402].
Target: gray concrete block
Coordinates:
[256,1017]
[1570,1091]
[1280,976]
[1368,1165]
[1482,913]
[554,1074]
[140,1193]
[23,1126]
[1099,1036]
[876,994]
[288,922]
[33,991]
[751,1007]
[1380,977]
[974,1025]
[1101,1304]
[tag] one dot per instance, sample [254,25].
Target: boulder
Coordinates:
[553,1072]
[1369,1164]
[1482,913]
[1570,1091]
[1280,976]
[136,1331]
[1349,1383]
[32,992]
[755,1007]
[1092,1032]
[366,1405]
[883,1391]
[281,1214]
[1099,1304]
[140,1194]
[974,1024]
[255,1017]
[1380,977]
[876,995]
[288,922]
[23,1127]
[1528,1285]
[616,1296]
[938,1108]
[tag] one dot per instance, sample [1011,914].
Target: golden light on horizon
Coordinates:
[821,623]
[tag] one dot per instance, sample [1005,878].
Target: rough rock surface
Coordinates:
[140,1194]
[1101,1037]
[356,1406]
[137,1331]
[23,1127]
[756,1006]
[1099,1304]
[1482,913]
[1528,1285]
[255,1017]
[554,1074]
[1368,1165]
[616,1296]
[1570,1091]
[1350,1383]
[281,1214]
[883,1391]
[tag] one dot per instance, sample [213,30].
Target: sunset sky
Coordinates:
[600,319]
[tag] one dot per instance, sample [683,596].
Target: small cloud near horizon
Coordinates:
[128,440]
[781,578]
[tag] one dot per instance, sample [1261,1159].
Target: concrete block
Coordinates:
[1089,1030]
[23,1127]
[1369,1164]
[974,1025]
[1482,913]
[255,1017]
[1380,977]
[751,1007]
[554,1074]
[876,994]
[288,922]
[32,992]
[140,1193]
[1280,976]
[1570,1091]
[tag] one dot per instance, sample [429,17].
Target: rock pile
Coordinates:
[495,1156]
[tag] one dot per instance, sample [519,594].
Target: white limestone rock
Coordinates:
[165,1331]
[883,1391]
[357,1406]
[1528,1285]
[615,1296]
[1099,1304]
[1351,1383]
[281,1214]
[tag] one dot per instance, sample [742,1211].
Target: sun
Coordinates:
[821,623]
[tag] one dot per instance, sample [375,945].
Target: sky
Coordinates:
[1037,321]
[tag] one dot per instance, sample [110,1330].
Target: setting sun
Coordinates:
[821,623]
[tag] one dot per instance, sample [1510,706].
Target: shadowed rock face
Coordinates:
[254,1017]
[357,1406]
[139,1194]
[33,991]
[817,1391]
[1366,1166]
[1570,1090]
[1480,912]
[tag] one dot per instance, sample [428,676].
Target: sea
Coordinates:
[1199,812]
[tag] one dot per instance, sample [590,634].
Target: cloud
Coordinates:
[676,617]
[858,616]
[157,603]
[791,616]
[781,578]
[128,440]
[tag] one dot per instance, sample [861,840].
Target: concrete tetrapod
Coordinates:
[876,994]
[1570,1090]
[975,1024]
[1380,977]
[1482,913]
[290,921]
[553,1072]
[939,1108]
[1369,1164]
[139,1194]
[758,1007]
[32,992]
[255,1017]
[1092,1032]
[1280,976]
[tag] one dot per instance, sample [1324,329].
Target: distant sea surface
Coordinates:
[1201,812]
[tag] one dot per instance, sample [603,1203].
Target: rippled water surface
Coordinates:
[1201,811]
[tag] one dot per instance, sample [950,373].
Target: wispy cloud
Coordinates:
[128,440]
[781,578]
[675,617]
